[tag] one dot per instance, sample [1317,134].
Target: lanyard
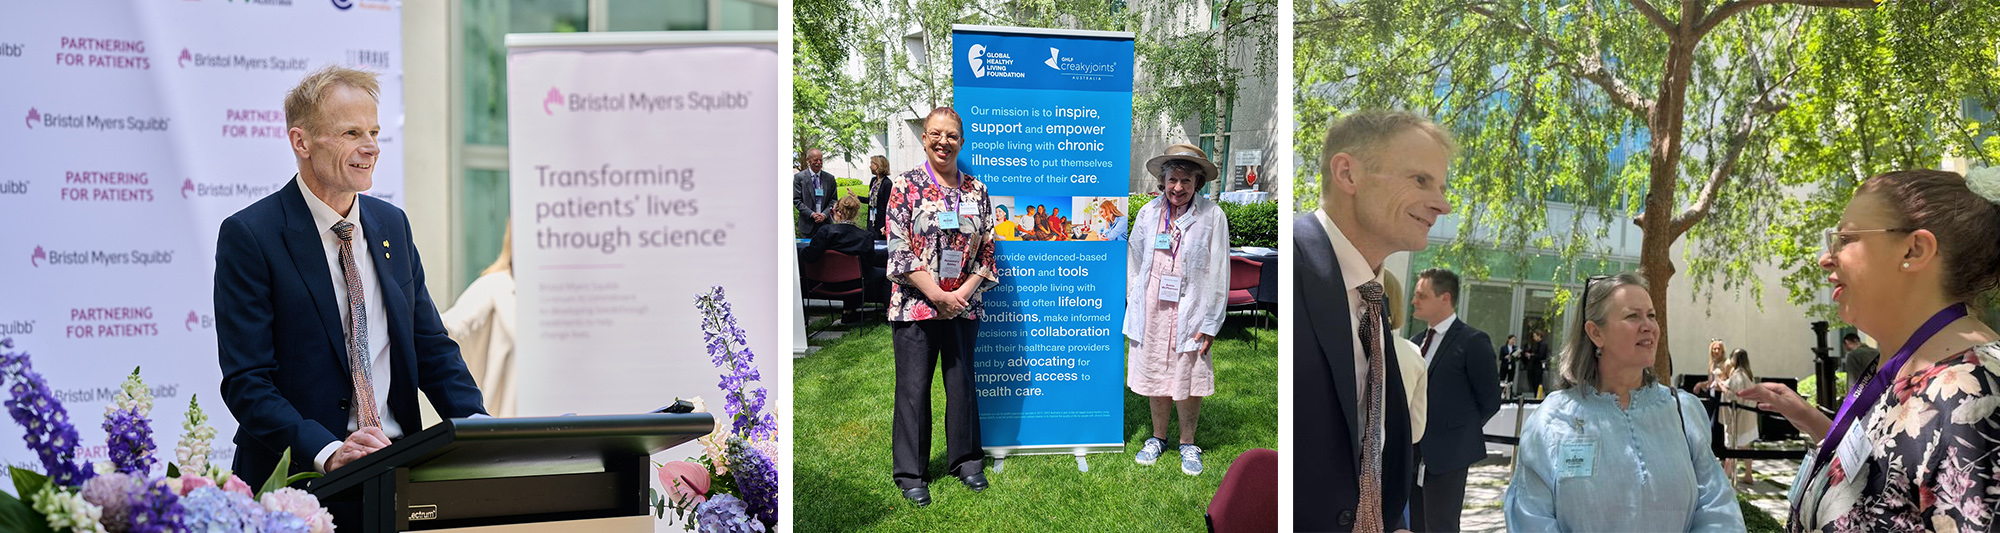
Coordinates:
[1861,400]
[957,197]
[1167,226]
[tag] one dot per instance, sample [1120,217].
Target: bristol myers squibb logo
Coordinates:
[38,257]
[33,117]
[977,57]
[555,98]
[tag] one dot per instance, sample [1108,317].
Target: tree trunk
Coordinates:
[1655,249]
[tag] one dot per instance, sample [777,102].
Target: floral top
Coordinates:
[917,243]
[1587,464]
[1931,445]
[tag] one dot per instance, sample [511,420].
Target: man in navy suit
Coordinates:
[324,327]
[1381,188]
[1464,393]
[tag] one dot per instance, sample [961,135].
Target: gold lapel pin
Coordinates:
[385,244]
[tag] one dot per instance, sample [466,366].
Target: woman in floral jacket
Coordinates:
[1916,447]
[941,259]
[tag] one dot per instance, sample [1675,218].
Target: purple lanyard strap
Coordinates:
[1861,400]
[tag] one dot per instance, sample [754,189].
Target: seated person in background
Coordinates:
[845,237]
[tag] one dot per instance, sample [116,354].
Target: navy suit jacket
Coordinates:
[1326,424]
[1464,393]
[282,345]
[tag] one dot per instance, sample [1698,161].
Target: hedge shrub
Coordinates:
[1249,224]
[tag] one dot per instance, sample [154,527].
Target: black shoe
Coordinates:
[918,495]
[976,481]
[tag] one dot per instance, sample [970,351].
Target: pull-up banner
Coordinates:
[1048,126]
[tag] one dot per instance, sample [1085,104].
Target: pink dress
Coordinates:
[1155,369]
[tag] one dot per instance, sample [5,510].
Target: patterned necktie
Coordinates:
[358,366]
[1368,515]
[1425,351]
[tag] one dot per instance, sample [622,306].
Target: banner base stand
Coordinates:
[1001,453]
[1082,464]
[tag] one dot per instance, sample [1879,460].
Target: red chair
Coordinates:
[1244,275]
[1247,501]
[836,276]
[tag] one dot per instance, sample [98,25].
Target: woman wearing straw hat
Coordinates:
[1177,271]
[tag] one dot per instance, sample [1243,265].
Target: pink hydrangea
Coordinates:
[236,485]
[187,483]
[301,504]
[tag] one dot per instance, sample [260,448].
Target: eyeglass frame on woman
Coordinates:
[940,135]
[1827,236]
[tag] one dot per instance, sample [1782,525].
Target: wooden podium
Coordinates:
[490,471]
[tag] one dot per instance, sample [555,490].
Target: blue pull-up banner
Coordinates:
[1048,126]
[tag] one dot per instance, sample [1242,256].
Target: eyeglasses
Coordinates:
[1837,239]
[936,135]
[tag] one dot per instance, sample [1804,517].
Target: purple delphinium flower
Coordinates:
[757,478]
[157,510]
[129,436]
[726,514]
[209,509]
[728,349]
[36,409]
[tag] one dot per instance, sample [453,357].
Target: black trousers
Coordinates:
[921,348]
[1438,501]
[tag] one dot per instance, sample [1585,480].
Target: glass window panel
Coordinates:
[744,15]
[487,23]
[1489,308]
[659,15]
[485,200]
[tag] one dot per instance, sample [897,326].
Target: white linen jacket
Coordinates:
[1204,257]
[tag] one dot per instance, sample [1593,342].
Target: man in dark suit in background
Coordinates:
[1382,183]
[1464,393]
[812,194]
[323,323]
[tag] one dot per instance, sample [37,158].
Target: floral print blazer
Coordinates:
[917,243]
[1933,453]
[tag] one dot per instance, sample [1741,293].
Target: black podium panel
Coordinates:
[490,471]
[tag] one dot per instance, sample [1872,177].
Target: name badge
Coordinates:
[968,208]
[1170,288]
[1854,450]
[1575,459]
[819,192]
[954,262]
[1161,241]
[947,220]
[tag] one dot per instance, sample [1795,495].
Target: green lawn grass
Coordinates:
[844,398]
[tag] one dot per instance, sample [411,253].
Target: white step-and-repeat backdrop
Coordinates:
[131,129]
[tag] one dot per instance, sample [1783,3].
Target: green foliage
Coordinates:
[1755,520]
[15,513]
[1132,205]
[1253,224]
[1781,110]
[277,481]
[1809,386]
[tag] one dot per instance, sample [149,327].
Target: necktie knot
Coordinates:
[345,230]
[1371,293]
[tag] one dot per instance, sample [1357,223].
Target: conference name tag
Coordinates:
[954,262]
[819,192]
[968,208]
[1161,241]
[947,220]
[1574,459]
[1170,288]
[1854,450]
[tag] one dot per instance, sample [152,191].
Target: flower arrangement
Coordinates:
[733,486]
[120,494]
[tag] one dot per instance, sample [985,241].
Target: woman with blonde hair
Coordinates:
[481,321]
[1114,222]
[1739,417]
[878,194]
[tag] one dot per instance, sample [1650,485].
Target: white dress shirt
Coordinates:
[1354,272]
[1437,338]
[324,217]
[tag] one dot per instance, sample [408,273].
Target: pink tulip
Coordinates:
[189,483]
[236,485]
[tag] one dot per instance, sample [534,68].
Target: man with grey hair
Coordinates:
[813,194]
[324,327]
[1382,185]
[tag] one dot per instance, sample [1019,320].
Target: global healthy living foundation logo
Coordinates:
[103,123]
[987,62]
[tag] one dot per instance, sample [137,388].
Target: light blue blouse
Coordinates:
[1586,464]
